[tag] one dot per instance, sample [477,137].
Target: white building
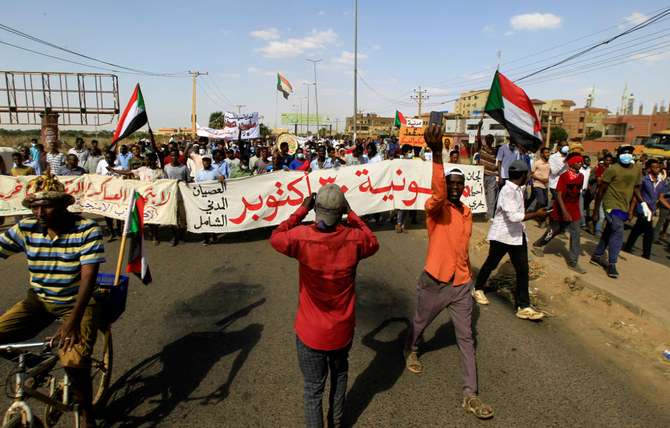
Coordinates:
[469,126]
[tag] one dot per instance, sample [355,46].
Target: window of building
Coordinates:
[581,119]
[472,127]
[580,130]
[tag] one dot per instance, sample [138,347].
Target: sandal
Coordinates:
[412,362]
[475,405]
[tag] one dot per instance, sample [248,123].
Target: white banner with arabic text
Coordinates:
[100,194]
[233,123]
[268,199]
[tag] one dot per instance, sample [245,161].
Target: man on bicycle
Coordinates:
[64,253]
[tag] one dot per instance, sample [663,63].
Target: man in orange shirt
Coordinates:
[447,276]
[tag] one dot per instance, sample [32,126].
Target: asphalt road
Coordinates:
[211,343]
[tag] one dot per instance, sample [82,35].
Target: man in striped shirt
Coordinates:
[64,253]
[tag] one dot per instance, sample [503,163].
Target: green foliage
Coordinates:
[216,120]
[592,135]
[264,130]
[558,134]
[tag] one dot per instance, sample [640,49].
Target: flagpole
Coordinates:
[119,263]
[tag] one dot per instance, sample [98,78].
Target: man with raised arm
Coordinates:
[64,252]
[447,276]
[328,253]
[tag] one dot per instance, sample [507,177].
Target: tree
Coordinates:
[592,135]
[216,120]
[264,130]
[558,134]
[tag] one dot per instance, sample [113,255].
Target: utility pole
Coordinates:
[419,97]
[337,126]
[239,108]
[195,74]
[316,97]
[355,68]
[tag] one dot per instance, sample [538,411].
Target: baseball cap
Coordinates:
[623,147]
[518,166]
[453,171]
[329,204]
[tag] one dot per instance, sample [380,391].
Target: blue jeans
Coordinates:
[314,365]
[599,224]
[612,236]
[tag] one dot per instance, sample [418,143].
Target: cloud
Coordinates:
[230,75]
[375,47]
[293,47]
[650,59]
[347,58]
[225,32]
[489,29]
[509,33]
[535,21]
[322,12]
[636,18]
[269,34]
[253,70]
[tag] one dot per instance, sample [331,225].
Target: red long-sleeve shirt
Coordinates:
[328,261]
[449,233]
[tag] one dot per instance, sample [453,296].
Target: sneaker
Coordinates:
[612,272]
[205,242]
[529,314]
[173,243]
[537,250]
[595,260]
[480,297]
[577,268]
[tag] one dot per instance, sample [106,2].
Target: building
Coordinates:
[580,121]
[370,125]
[469,126]
[551,113]
[471,102]
[627,128]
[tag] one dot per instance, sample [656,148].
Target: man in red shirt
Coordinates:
[566,213]
[328,253]
[447,276]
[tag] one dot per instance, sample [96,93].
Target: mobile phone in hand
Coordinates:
[435,118]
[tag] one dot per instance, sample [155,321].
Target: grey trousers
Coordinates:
[491,189]
[556,227]
[314,365]
[433,297]
[662,215]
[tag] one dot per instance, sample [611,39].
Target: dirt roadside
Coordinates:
[602,329]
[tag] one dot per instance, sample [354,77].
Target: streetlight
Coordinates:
[308,85]
[316,97]
[301,128]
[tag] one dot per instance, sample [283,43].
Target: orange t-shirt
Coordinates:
[449,233]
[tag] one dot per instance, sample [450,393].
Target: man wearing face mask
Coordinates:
[196,155]
[557,166]
[243,169]
[619,183]
[299,163]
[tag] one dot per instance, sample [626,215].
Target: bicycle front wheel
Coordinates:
[101,367]
[17,422]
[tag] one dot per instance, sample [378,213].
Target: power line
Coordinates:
[44,42]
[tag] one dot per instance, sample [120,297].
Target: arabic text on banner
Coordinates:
[100,194]
[233,123]
[268,199]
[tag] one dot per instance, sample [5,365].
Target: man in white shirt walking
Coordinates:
[508,236]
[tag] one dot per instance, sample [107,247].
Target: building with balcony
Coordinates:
[471,102]
[580,121]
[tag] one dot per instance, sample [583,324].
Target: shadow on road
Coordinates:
[161,382]
[381,374]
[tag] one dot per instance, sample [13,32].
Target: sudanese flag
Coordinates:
[133,118]
[509,105]
[134,233]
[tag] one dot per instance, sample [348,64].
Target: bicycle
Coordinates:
[28,377]
[34,371]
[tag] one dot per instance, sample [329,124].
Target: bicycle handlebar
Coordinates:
[51,342]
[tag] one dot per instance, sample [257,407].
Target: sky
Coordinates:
[442,47]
